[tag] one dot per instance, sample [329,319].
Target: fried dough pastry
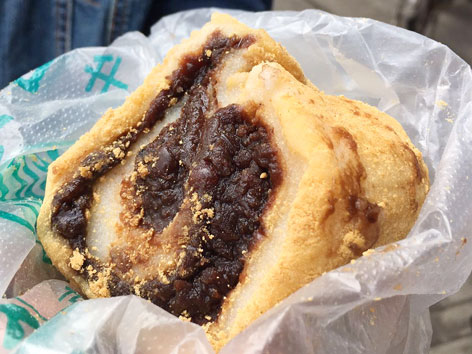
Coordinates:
[226,182]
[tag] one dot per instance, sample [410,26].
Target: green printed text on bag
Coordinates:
[14,330]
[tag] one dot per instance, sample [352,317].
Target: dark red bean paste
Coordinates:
[227,162]
[223,158]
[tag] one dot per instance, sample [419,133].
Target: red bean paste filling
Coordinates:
[224,158]
[230,165]
[75,197]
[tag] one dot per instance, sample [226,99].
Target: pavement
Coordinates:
[451,25]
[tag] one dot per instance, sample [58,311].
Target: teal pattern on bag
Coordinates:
[14,332]
[31,307]
[25,176]
[44,256]
[22,184]
[32,84]
[16,219]
[4,119]
[108,79]
[70,291]
[29,210]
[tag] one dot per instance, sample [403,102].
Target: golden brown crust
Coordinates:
[116,122]
[344,163]
[340,148]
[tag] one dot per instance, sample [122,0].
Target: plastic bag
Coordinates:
[377,304]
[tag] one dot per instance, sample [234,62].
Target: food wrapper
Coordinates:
[377,304]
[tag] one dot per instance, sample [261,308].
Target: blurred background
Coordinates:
[33,32]
[446,21]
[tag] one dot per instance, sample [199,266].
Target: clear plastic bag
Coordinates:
[377,304]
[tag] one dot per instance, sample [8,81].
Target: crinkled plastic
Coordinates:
[377,304]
